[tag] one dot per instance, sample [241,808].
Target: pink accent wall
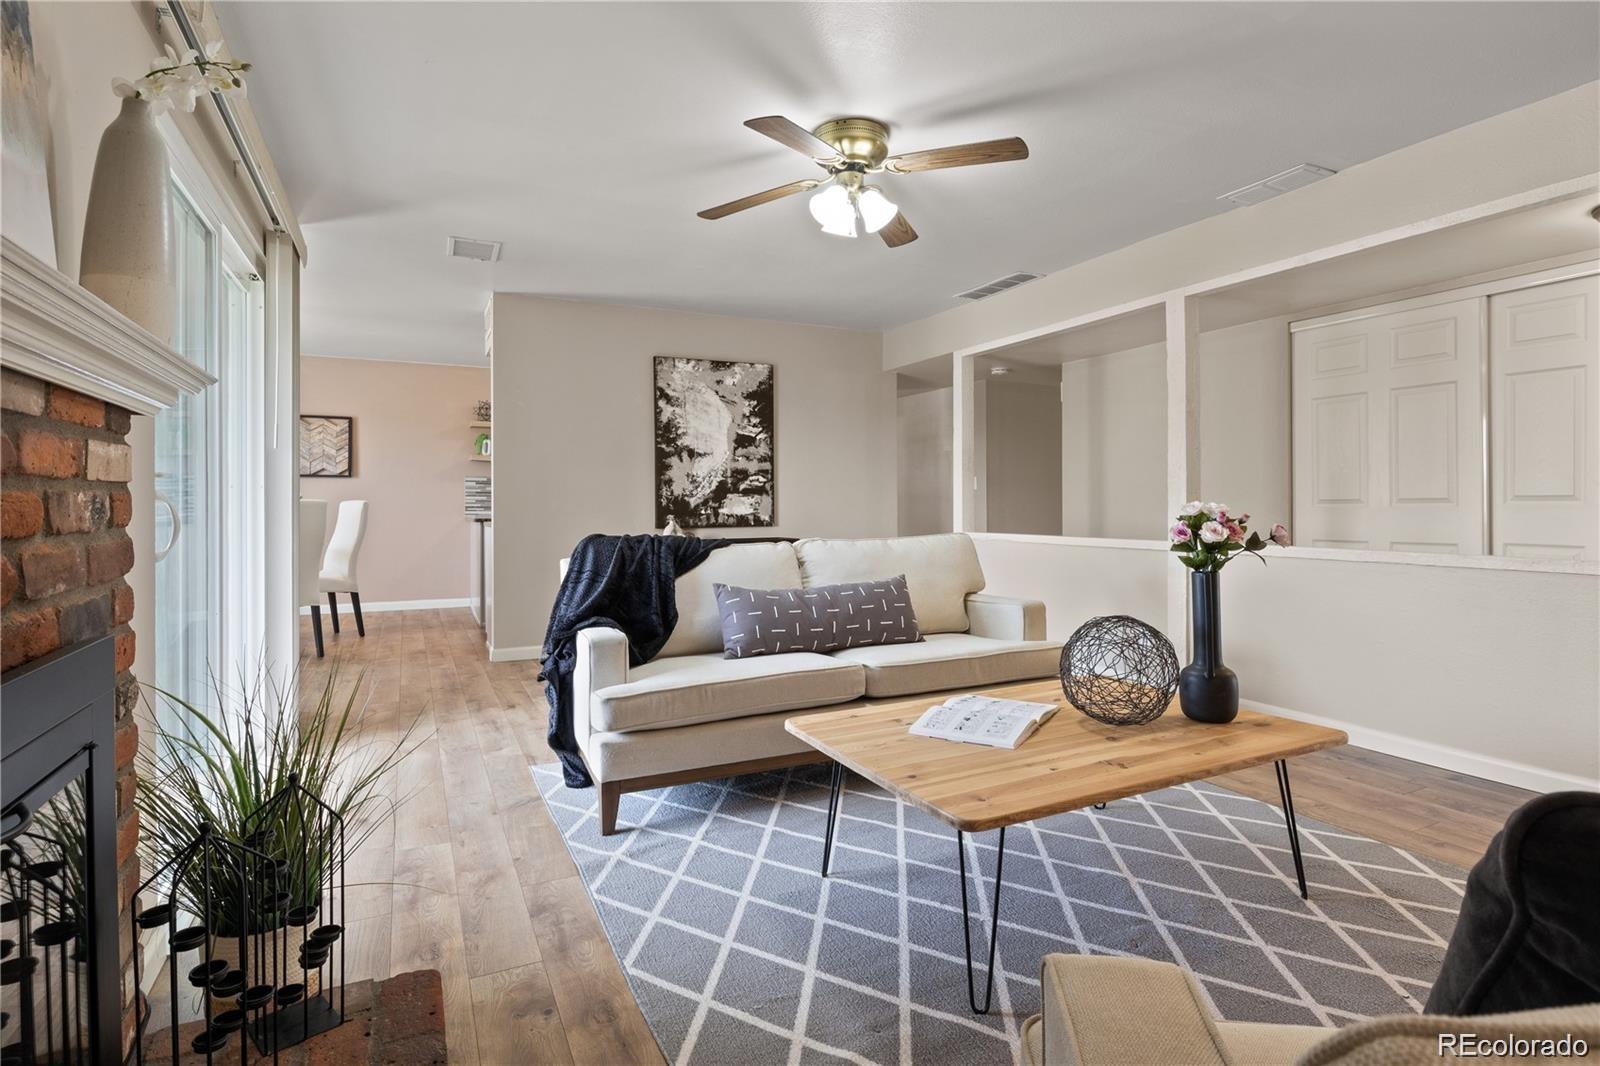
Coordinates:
[412,442]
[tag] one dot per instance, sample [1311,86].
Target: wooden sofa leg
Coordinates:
[610,796]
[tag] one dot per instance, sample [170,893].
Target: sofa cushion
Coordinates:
[686,689]
[756,566]
[952,660]
[940,570]
[821,619]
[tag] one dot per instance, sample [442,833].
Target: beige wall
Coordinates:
[1553,140]
[575,440]
[924,423]
[1022,456]
[1114,445]
[412,443]
[1244,419]
[1488,671]
[1114,460]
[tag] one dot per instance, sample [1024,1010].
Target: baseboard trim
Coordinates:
[381,606]
[1443,756]
[512,654]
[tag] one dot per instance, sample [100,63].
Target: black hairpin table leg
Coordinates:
[1287,797]
[835,786]
[994,919]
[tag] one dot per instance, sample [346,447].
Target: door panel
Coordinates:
[1544,442]
[1387,444]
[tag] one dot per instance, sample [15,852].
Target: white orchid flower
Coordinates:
[179,79]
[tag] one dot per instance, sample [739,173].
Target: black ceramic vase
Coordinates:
[1207,690]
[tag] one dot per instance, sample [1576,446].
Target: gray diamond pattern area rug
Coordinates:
[740,952]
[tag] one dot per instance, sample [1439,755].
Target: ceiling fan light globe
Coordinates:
[845,227]
[877,210]
[834,212]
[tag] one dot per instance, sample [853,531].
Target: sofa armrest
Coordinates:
[1109,1010]
[1005,617]
[602,661]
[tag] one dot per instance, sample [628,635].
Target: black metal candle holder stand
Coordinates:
[41,958]
[278,898]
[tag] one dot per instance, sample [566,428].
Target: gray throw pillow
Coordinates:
[821,619]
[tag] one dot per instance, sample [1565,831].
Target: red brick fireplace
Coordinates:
[64,511]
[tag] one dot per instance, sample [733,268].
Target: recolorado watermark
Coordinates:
[1473,1046]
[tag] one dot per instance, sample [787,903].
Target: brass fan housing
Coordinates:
[860,140]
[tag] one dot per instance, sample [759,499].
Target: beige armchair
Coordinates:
[1112,1011]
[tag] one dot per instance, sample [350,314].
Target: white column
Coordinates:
[963,450]
[281,450]
[1183,445]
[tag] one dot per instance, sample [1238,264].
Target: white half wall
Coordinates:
[574,443]
[1490,672]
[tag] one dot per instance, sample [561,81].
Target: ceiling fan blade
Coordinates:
[792,135]
[959,155]
[757,199]
[897,232]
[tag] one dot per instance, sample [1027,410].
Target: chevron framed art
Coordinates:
[327,445]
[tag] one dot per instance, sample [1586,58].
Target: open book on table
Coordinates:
[976,719]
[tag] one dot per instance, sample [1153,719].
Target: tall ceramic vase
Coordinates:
[127,256]
[1207,690]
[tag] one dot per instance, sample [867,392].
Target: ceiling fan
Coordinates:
[849,149]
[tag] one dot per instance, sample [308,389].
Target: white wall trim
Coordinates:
[1076,542]
[57,330]
[513,654]
[381,606]
[1443,756]
[1507,563]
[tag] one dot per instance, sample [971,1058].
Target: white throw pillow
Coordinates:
[940,571]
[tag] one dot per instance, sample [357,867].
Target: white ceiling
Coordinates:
[586,136]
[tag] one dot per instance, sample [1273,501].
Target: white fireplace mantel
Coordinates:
[53,328]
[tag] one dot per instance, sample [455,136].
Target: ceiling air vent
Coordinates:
[1267,188]
[467,248]
[1010,281]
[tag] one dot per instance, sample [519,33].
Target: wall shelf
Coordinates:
[481,458]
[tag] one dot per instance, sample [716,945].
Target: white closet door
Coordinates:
[1387,432]
[1544,443]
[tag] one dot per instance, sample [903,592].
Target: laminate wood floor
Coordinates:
[471,878]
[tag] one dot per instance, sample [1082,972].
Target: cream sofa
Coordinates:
[1113,1011]
[690,714]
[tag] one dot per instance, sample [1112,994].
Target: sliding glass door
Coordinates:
[207,533]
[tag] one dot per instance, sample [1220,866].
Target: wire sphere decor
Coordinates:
[1119,670]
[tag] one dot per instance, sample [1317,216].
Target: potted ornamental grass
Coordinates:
[1205,537]
[218,770]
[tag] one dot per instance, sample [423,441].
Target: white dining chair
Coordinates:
[339,562]
[308,588]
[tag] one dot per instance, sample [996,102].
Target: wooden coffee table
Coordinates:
[1072,762]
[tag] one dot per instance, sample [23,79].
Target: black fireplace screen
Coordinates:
[60,981]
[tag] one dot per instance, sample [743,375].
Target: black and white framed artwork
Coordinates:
[714,443]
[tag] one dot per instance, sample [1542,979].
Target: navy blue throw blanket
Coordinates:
[625,583]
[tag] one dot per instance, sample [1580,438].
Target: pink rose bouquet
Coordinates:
[1207,535]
